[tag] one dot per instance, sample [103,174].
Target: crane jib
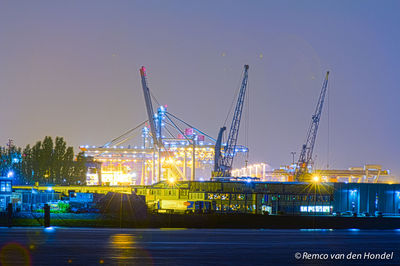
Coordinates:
[224,163]
[305,157]
[149,105]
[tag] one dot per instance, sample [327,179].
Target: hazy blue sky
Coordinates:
[70,68]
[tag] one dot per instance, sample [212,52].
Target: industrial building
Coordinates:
[5,192]
[291,198]
[140,165]
[33,199]
[367,198]
[369,173]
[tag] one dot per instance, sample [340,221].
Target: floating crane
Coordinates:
[223,162]
[305,158]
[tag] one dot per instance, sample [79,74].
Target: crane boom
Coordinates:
[149,106]
[305,157]
[223,164]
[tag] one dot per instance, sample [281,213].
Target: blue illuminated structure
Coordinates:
[5,192]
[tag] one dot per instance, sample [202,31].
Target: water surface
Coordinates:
[87,246]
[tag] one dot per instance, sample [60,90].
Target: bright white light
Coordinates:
[324,209]
[10,174]
[49,189]
[316,178]
[49,229]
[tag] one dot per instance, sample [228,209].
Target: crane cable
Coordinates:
[117,139]
[238,86]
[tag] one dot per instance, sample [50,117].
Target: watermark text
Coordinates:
[344,256]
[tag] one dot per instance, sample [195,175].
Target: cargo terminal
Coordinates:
[178,168]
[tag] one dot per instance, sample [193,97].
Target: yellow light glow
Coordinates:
[316,179]
[171,180]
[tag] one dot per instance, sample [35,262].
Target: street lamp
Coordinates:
[171,180]
[293,153]
[316,179]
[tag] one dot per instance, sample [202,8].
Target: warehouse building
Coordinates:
[367,198]
[291,198]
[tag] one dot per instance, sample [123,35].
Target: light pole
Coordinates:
[293,153]
[193,159]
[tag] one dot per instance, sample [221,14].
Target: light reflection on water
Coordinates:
[94,246]
[122,241]
[125,248]
[316,230]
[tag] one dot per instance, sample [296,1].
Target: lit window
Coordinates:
[324,209]
[8,186]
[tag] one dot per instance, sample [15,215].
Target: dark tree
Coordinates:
[35,157]
[68,168]
[10,162]
[80,169]
[58,160]
[46,162]
[46,159]
[27,165]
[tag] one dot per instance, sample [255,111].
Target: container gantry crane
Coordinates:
[223,162]
[149,107]
[305,158]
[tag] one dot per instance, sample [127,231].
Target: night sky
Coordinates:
[71,69]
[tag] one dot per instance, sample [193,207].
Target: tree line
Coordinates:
[46,162]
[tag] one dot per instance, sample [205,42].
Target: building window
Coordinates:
[8,186]
[324,209]
[3,186]
[240,196]
[225,196]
